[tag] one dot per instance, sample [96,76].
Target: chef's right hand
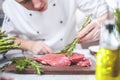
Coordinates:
[39,47]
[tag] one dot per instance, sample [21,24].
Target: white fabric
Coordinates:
[113,4]
[26,24]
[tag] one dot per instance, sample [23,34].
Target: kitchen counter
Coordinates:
[48,77]
[18,53]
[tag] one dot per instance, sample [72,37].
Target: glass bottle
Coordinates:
[107,58]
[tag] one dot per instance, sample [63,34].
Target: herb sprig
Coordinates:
[22,64]
[117,19]
[70,47]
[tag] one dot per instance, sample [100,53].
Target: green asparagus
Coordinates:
[8,47]
[6,38]
[6,43]
[70,47]
[2,34]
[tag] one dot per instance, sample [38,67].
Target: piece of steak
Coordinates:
[54,60]
[5,78]
[84,63]
[76,57]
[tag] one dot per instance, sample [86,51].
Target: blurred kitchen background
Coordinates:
[1,12]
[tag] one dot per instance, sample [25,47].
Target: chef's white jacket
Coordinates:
[55,26]
[113,4]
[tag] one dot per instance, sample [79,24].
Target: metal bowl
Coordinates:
[93,49]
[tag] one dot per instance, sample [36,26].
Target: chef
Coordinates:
[45,26]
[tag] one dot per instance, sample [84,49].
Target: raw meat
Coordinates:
[54,60]
[61,60]
[76,57]
[84,63]
[4,78]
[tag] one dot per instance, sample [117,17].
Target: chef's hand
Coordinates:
[39,47]
[90,33]
[40,5]
[36,47]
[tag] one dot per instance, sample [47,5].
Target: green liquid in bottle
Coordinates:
[107,64]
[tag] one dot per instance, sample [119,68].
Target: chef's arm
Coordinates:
[37,47]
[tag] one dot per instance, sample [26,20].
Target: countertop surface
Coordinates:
[18,53]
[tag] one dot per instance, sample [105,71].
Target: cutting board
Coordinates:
[46,69]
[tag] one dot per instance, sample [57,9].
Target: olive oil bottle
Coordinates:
[107,58]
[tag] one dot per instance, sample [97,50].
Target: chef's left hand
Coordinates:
[90,33]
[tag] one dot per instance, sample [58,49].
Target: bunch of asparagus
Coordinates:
[6,43]
[70,47]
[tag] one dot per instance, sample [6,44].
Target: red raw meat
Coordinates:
[4,78]
[76,57]
[54,60]
[84,63]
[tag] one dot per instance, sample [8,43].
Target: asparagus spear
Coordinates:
[7,42]
[4,50]
[8,47]
[70,47]
[2,34]
[5,39]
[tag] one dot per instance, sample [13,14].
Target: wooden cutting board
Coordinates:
[46,69]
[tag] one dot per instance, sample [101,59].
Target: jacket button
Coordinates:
[30,14]
[8,20]
[38,32]
[61,22]
[43,39]
[61,39]
[54,4]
